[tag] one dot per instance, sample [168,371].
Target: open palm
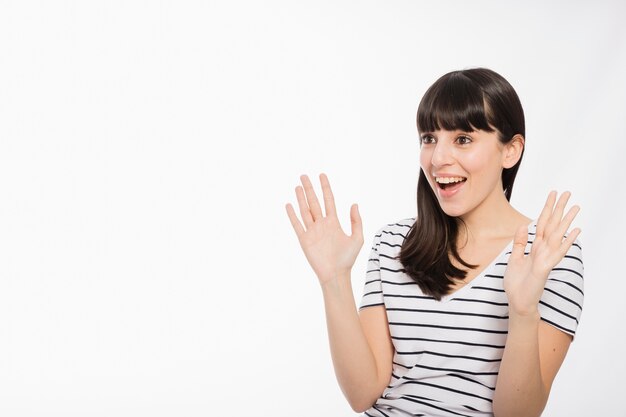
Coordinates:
[328,249]
[526,275]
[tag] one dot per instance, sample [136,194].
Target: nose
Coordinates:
[442,154]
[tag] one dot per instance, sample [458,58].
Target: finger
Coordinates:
[569,241]
[295,222]
[566,222]
[329,199]
[557,215]
[519,243]
[545,215]
[356,224]
[311,198]
[305,213]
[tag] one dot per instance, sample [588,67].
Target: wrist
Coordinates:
[523,308]
[338,280]
[526,316]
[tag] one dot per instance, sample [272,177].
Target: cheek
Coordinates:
[425,159]
[482,162]
[425,165]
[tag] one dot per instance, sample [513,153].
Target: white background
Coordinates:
[147,150]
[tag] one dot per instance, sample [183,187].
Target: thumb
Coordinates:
[519,242]
[355,222]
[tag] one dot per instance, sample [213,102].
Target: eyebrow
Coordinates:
[457,131]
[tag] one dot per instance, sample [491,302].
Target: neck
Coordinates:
[495,218]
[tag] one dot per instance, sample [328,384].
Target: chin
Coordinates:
[452,211]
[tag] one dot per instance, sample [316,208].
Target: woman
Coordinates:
[469,308]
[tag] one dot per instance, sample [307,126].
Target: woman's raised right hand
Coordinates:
[330,252]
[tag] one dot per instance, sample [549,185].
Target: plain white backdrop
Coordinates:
[148,148]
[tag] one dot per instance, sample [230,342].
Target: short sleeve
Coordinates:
[373,291]
[561,304]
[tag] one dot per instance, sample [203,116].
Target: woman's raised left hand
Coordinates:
[526,275]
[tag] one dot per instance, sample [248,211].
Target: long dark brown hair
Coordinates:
[468,100]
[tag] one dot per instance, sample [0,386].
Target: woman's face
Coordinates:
[463,168]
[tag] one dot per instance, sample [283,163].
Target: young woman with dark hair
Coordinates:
[470,307]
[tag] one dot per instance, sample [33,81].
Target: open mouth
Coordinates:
[449,182]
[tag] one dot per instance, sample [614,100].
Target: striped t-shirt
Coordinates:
[447,353]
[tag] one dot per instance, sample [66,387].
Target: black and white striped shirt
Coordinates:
[448,352]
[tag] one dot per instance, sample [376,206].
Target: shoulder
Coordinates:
[562,301]
[393,234]
[399,227]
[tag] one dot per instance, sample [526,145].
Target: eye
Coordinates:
[427,139]
[464,140]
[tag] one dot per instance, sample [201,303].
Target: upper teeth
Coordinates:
[448,180]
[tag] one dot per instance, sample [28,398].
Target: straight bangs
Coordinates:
[454,102]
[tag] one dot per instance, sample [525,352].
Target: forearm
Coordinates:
[520,389]
[353,360]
